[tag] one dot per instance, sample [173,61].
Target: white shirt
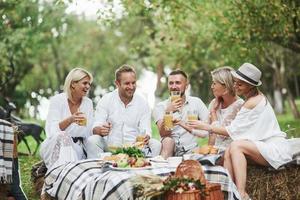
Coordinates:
[59,110]
[127,121]
[183,137]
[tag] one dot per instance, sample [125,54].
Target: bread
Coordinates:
[140,138]
[213,150]
[116,157]
[191,169]
[206,149]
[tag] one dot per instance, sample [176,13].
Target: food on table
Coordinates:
[191,169]
[213,150]
[140,138]
[206,149]
[130,157]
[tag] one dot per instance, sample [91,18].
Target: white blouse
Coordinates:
[260,126]
[224,118]
[59,110]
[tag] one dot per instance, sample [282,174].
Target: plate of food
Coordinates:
[131,163]
[128,159]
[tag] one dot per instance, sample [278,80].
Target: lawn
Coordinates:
[286,121]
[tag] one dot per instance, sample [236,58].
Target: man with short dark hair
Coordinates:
[121,116]
[178,140]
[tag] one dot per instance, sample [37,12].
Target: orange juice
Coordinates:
[168,121]
[175,95]
[82,122]
[192,117]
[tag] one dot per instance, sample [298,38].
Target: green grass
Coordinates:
[286,121]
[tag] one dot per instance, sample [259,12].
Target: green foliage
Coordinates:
[40,42]
[130,151]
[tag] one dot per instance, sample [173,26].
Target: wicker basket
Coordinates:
[193,169]
[213,192]
[186,195]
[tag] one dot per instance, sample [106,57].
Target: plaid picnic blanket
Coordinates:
[91,180]
[6,151]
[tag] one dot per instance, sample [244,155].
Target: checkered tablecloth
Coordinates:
[90,180]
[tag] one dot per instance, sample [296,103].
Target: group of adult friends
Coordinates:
[245,129]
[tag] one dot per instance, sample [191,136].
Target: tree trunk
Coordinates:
[291,98]
[278,101]
[57,66]
[160,73]
[292,104]
[296,86]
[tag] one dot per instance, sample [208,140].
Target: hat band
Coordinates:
[246,77]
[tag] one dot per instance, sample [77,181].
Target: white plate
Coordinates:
[130,168]
[158,160]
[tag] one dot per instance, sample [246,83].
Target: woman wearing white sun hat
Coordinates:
[255,131]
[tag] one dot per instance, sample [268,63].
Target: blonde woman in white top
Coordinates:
[255,131]
[69,121]
[225,106]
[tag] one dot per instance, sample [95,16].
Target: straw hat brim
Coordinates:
[245,80]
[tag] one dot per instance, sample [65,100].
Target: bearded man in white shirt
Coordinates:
[179,140]
[121,116]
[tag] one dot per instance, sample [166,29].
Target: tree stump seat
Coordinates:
[266,184]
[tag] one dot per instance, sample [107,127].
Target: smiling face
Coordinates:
[126,84]
[177,82]
[218,89]
[80,88]
[241,87]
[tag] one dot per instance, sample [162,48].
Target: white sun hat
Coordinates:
[248,73]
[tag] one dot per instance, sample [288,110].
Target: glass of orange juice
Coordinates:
[192,115]
[83,120]
[168,121]
[175,95]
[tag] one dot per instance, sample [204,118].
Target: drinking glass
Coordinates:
[192,115]
[116,141]
[83,121]
[168,121]
[175,95]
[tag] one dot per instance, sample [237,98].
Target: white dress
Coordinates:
[260,126]
[59,147]
[224,118]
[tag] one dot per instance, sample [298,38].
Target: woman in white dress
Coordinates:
[255,131]
[69,121]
